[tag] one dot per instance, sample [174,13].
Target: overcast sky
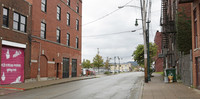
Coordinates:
[119,42]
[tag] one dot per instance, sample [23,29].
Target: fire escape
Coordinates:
[167,22]
[185,1]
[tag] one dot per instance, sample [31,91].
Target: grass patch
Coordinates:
[107,73]
[161,73]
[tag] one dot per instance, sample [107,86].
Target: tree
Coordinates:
[107,64]
[86,63]
[138,54]
[98,61]
[184,32]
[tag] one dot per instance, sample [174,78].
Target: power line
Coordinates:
[113,33]
[105,15]
[69,28]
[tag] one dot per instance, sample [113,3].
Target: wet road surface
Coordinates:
[120,86]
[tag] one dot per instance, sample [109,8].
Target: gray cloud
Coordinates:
[121,45]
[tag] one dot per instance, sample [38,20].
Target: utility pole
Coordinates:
[98,51]
[114,64]
[144,36]
[148,56]
[119,63]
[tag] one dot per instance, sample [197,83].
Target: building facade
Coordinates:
[15,32]
[56,38]
[195,40]
[158,61]
[124,67]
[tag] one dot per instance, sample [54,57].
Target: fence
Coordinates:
[185,69]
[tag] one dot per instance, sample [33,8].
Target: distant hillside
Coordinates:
[133,63]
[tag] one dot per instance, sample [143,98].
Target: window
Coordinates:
[77,24]
[68,2]
[68,19]
[58,35]
[58,13]
[76,42]
[44,5]
[68,39]
[43,30]
[195,30]
[77,9]
[19,22]
[5,17]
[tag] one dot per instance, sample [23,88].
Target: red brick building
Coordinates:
[195,40]
[15,33]
[56,38]
[158,61]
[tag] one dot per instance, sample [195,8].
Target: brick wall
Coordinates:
[53,51]
[196,51]
[158,61]
[8,34]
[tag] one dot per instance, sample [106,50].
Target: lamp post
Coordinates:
[147,43]
[119,62]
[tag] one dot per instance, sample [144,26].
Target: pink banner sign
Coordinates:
[12,65]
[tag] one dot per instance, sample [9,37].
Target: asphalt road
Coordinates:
[120,86]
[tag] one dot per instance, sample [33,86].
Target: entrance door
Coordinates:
[74,67]
[65,67]
[57,69]
[198,72]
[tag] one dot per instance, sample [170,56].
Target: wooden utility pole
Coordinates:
[145,42]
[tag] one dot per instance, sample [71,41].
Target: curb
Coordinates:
[40,86]
[141,90]
[13,88]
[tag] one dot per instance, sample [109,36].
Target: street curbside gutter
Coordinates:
[141,90]
[46,85]
[13,88]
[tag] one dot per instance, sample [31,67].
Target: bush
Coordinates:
[107,73]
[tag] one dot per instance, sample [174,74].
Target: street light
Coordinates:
[136,22]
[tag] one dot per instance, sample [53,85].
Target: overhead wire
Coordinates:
[100,18]
[105,15]
[113,33]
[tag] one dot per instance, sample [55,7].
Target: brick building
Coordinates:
[195,40]
[15,31]
[56,38]
[158,61]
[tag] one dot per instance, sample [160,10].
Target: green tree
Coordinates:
[107,63]
[98,61]
[184,31]
[138,54]
[86,63]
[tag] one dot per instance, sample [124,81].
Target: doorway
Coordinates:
[74,67]
[65,67]
[57,70]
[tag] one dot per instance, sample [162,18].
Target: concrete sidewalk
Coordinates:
[6,89]
[157,89]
